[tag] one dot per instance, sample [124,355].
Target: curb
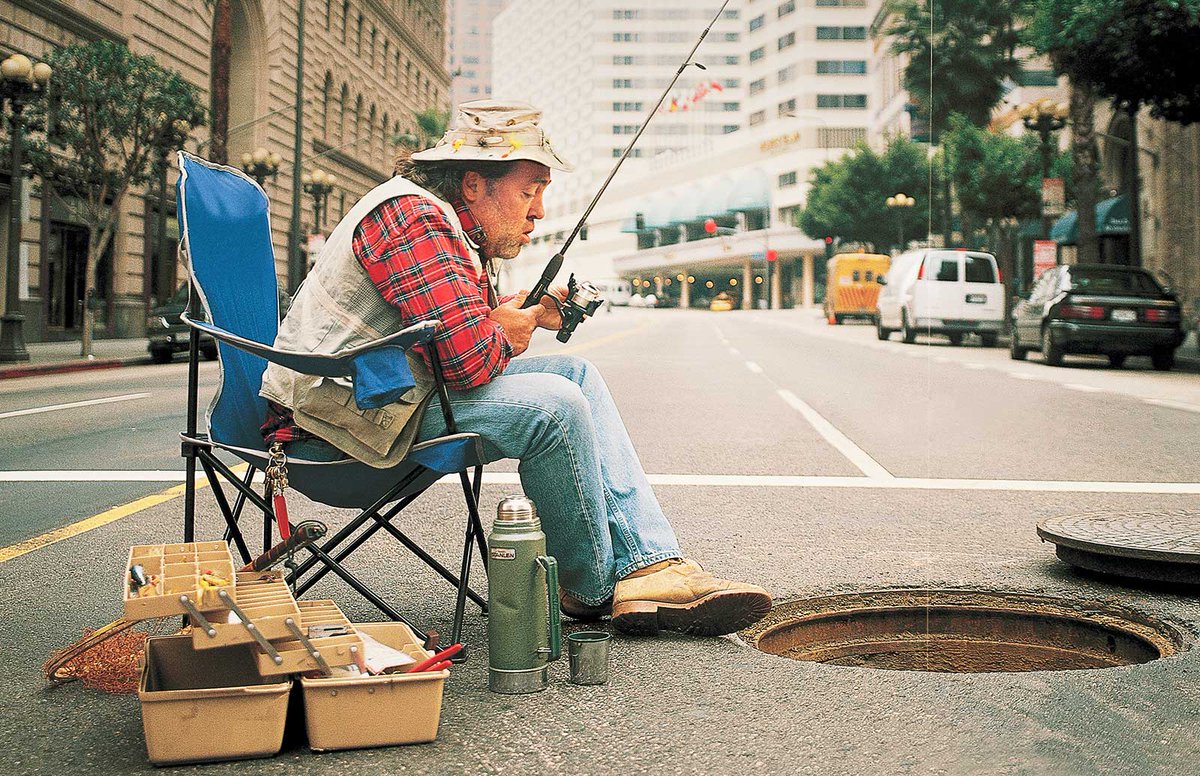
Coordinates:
[62,367]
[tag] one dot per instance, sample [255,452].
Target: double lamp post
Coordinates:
[900,202]
[21,81]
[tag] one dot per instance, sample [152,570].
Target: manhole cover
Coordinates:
[1157,546]
[962,631]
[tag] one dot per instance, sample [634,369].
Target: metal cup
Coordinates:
[588,655]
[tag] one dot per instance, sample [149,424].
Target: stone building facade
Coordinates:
[369,67]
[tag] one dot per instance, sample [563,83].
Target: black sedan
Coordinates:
[1099,309]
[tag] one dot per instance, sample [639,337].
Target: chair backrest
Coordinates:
[225,237]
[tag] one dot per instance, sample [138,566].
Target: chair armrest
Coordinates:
[340,364]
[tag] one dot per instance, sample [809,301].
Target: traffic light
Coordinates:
[772,254]
[710,226]
[828,247]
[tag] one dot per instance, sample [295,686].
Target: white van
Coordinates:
[942,292]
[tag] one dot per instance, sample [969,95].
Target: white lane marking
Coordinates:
[975,366]
[1023,376]
[1175,405]
[712,481]
[865,463]
[73,405]
[753,367]
[1083,388]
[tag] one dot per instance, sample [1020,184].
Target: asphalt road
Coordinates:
[810,459]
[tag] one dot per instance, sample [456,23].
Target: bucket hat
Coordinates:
[496,131]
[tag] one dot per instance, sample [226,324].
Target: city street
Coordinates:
[808,458]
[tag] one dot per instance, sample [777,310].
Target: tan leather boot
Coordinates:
[681,596]
[578,610]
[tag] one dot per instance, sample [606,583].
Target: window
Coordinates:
[841,33]
[841,100]
[787,41]
[758,86]
[470,60]
[757,117]
[625,13]
[726,129]
[786,8]
[622,60]
[758,53]
[1037,78]
[626,106]
[841,66]
[625,37]
[622,83]
[731,14]
[979,269]
[732,83]
[733,60]
[947,268]
[841,137]
[787,107]
[757,22]
[730,107]
[787,74]
[732,37]
[787,179]
[841,3]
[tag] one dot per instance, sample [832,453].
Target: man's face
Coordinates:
[507,207]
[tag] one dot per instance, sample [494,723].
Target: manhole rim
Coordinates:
[1171,637]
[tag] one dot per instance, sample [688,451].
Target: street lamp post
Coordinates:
[20,82]
[260,164]
[319,183]
[899,201]
[1044,117]
[172,134]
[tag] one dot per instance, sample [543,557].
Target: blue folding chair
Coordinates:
[225,237]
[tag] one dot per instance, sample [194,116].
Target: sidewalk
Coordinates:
[57,357]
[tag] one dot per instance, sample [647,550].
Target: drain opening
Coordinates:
[957,631]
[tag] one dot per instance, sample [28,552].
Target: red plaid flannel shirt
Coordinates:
[416,260]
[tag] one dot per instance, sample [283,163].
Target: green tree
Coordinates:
[960,53]
[431,125]
[1135,53]
[847,199]
[108,107]
[996,176]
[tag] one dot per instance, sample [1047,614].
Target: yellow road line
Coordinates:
[102,519]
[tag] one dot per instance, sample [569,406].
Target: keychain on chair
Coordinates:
[276,474]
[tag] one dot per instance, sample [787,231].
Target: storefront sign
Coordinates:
[1045,255]
[775,143]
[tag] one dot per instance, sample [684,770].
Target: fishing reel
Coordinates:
[583,299]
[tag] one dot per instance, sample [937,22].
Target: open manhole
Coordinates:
[962,631]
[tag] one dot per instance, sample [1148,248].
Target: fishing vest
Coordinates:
[338,306]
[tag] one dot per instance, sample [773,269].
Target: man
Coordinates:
[415,249]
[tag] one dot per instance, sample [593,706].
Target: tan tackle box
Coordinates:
[384,710]
[212,704]
[268,604]
[291,656]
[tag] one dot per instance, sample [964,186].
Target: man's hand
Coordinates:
[518,324]
[548,315]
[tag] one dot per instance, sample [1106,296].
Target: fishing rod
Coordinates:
[584,299]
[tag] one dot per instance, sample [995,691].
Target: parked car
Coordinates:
[1100,309]
[851,287]
[168,333]
[722,302]
[951,292]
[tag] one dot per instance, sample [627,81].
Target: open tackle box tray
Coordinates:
[326,639]
[179,578]
[267,604]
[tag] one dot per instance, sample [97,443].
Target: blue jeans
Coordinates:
[555,415]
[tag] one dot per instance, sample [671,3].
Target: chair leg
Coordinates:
[231,527]
[464,579]
[363,590]
[473,510]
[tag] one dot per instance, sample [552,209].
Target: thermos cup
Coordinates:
[524,626]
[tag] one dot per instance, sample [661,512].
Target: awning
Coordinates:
[1112,220]
[748,189]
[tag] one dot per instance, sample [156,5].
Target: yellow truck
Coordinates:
[852,285]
